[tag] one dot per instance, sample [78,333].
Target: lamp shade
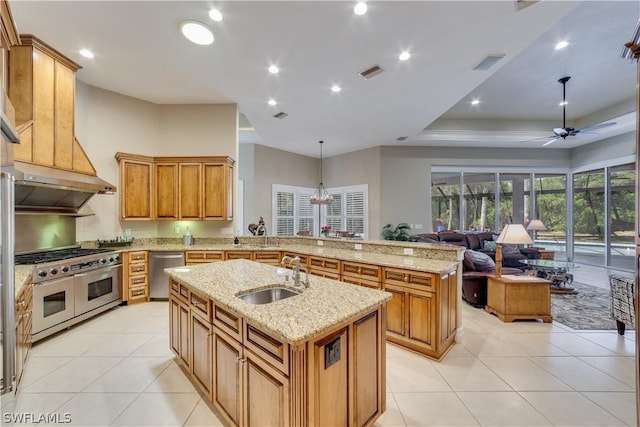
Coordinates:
[536,225]
[514,234]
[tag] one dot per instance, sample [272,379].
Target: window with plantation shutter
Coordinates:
[293,211]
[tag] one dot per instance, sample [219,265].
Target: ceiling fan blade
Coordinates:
[599,126]
[539,139]
[550,141]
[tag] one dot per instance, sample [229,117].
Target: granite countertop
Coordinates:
[407,262]
[321,306]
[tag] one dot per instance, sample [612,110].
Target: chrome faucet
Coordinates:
[287,260]
[262,227]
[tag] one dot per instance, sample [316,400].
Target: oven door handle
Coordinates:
[99,271]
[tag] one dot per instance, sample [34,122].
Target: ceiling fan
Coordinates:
[564,131]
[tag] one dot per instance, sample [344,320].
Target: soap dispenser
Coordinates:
[236,241]
[188,239]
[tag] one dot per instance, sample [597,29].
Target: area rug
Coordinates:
[588,309]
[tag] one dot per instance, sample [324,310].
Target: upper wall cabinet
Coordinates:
[175,188]
[42,90]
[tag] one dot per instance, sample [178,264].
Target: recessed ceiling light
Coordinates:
[196,32]
[272,102]
[404,56]
[215,15]
[335,88]
[360,8]
[475,102]
[86,53]
[274,70]
[561,45]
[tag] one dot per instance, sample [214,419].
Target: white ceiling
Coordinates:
[140,53]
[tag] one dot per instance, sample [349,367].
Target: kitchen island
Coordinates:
[317,358]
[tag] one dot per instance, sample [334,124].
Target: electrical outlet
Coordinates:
[332,353]
[176,230]
[358,246]
[320,243]
[408,251]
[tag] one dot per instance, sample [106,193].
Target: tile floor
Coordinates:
[117,369]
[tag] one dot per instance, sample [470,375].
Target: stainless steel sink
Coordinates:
[265,296]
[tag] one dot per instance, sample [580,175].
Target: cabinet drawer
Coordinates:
[414,279]
[361,282]
[195,257]
[201,305]
[138,268]
[364,271]
[270,349]
[272,258]
[324,273]
[139,256]
[228,321]
[325,263]
[137,281]
[180,291]
[238,255]
[138,294]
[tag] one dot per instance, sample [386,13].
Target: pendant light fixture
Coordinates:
[321,196]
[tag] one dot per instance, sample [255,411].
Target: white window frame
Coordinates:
[319,211]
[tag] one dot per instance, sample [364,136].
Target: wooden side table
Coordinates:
[544,254]
[519,297]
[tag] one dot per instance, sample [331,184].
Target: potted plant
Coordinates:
[399,232]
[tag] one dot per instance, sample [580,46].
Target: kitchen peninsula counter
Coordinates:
[22,275]
[430,258]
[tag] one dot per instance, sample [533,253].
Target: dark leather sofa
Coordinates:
[474,282]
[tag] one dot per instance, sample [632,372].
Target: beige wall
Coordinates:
[107,122]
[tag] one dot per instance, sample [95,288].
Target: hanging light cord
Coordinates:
[321,142]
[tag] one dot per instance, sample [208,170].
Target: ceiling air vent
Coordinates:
[371,72]
[401,138]
[489,61]
[280,115]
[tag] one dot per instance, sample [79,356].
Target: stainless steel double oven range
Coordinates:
[70,285]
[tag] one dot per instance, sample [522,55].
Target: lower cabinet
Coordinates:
[421,314]
[248,390]
[23,324]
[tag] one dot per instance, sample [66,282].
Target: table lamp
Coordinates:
[536,225]
[511,234]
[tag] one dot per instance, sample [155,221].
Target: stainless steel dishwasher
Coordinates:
[158,280]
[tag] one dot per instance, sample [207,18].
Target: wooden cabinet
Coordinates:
[23,323]
[136,187]
[238,255]
[166,188]
[203,257]
[179,320]
[135,280]
[190,191]
[422,312]
[201,331]
[184,188]
[267,257]
[361,274]
[248,390]
[42,90]
[324,267]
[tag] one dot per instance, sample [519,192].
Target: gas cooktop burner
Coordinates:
[56,255]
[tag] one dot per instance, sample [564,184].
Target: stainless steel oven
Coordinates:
[97,288]
[70,285]
[53,303]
